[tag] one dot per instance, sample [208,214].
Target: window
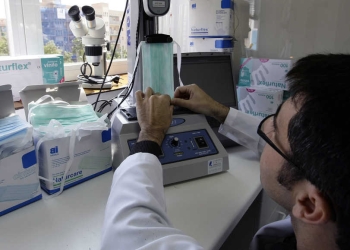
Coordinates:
[4,49]
[36,27]
[54,16]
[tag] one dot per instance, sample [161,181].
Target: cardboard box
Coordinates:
[92,150]
[268,73]
[211,45]
[259,102]
[19,181]
[211,18]
[22,71]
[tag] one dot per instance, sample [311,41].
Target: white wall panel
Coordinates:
[296,28]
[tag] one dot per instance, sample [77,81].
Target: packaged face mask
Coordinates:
[66,136]
[66,115]
[19,182]
[15,136]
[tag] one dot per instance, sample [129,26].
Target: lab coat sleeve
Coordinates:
[135,216]
[242,128]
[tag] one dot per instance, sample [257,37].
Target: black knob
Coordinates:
[175,142]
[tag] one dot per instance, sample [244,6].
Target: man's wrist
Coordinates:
[221,112]
[150,147]
[156,136]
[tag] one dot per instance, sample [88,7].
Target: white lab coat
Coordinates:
[135,216]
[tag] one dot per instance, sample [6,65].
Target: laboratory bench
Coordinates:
[221,211]
[207,209]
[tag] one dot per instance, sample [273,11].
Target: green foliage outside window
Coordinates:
[4,48]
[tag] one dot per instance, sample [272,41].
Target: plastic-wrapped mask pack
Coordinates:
[58,119]
[15,135]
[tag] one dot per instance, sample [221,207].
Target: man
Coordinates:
[304,164]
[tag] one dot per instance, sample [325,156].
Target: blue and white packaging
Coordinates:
[211,45]
[259,102]
[80,156]
[211,18]
[19,181]
[23,71]
[267,73]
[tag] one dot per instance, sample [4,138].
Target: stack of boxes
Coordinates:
[211,25]
[19,172]
[262,86]
[92,147]
[22,71]
[19,181]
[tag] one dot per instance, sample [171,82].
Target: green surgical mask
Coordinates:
[158,67]
[42,114]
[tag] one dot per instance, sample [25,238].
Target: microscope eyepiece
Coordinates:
[74,13]
[89,13]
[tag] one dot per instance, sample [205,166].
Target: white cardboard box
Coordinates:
[211,18]
[19,181]
[22,71]
[259,102]
[268,73]
[92,151]
[211,45]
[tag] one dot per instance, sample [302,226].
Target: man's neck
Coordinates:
[320,237]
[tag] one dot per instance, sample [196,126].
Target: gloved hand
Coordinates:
[154,114]
[194,98]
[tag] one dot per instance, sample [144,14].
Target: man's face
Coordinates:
[271,162]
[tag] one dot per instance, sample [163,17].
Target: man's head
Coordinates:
[312,130]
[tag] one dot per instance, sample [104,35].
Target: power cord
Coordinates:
[131,85]
[115,47]
[88,78]
[129,88]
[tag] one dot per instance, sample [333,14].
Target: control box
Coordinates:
[190,148]
[185,146]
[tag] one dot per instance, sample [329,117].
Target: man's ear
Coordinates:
[310,206]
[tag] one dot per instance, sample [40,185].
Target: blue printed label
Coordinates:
[29,159]
[106,135]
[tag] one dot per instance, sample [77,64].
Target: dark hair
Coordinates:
[319,134]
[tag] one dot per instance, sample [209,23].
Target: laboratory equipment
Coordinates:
[212,72]
[190,148]
[92,30]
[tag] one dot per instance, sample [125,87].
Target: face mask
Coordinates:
[158,67]
[66,115]
[10,125]
[15,136]
[57,119]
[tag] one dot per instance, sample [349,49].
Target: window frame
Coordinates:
[25,37]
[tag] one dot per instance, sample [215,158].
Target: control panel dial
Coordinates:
[174,142]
